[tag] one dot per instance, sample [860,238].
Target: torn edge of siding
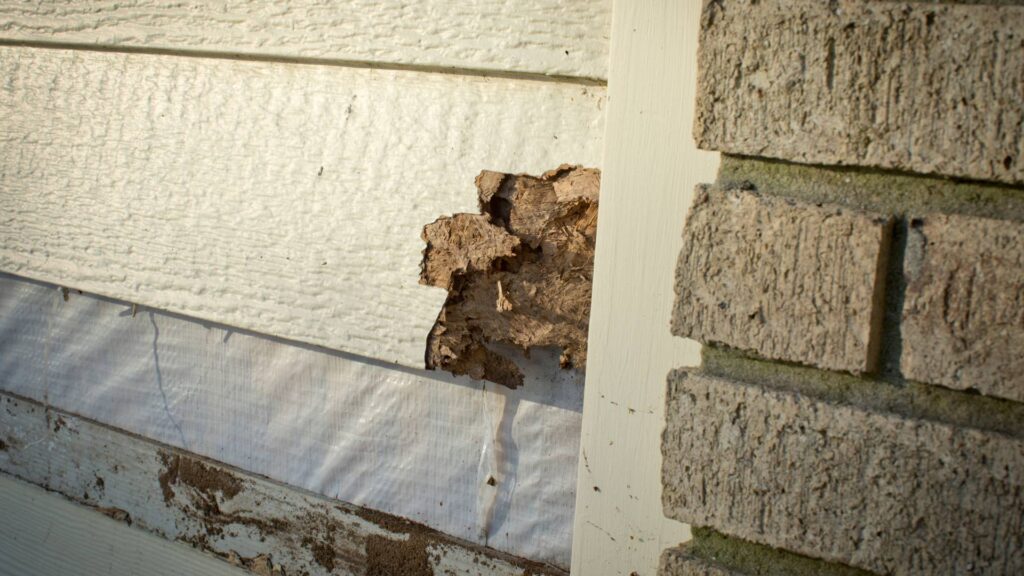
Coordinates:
[520,272]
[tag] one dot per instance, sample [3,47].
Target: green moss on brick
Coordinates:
[758,560]
[885,191]
[903,196]
[908,399]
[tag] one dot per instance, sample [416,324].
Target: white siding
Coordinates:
[286,199]
[560,37]
[270,166]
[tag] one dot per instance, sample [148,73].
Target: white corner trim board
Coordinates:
[553,37]
[237,516]
[36,523]
[651,167]
[285,199]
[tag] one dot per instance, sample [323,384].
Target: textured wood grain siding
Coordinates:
[963,313]
[787,280]
[535,36]
[878,491]
[283,199]
[237,516]
[931,88]
[677,562]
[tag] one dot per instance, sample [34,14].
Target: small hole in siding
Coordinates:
[1007,162]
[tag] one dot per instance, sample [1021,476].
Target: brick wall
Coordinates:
[856,274]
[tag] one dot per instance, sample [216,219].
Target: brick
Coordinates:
[873,490]
[679,562]
[788,280]
[963,312]
[920,86]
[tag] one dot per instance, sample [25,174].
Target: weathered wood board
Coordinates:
[281,198]
[558,37]
[243,518]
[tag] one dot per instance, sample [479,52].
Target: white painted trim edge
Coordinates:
[651,166]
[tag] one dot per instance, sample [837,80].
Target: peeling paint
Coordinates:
[265,527]
[206,481]
[518,273]
[261,565]
[115,513]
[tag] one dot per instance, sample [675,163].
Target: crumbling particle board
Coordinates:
[36,523]
[650,170]
[518,273]
[561,37]
[278,198]
[242,518]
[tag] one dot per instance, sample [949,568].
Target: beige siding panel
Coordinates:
[221,510]
[285,199]
[557,37]
[43,534]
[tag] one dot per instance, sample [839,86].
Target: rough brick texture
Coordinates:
[787,280]
[678,562]
[963,314]
[877,491]
[925,87]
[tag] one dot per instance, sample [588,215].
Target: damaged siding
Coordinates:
[35,519]
[282,199]
[517,273]
[269,169]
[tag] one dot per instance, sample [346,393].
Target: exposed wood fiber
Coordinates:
[518,273]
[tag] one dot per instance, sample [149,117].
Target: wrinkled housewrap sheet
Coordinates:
[416,444]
